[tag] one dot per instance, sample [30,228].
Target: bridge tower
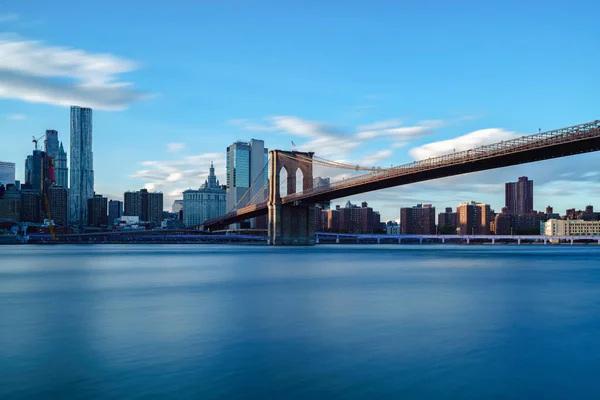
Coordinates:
[291,223]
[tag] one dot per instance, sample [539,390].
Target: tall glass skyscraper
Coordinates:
[246,165]
[82,164]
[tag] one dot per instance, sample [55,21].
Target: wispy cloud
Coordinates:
[8,17]
[17,117]
[35,72]
[175,147]
[465,142]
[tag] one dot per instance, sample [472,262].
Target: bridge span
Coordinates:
[290,216]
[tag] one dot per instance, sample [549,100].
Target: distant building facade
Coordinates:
[51,143]
[209,201]
[10,202]
[177,206]
[447,220]
[115,211]
[559,227]
[519,196]
[419,220]
[97,211]
[30,206]
[148,206]
[58,202]
[7,173]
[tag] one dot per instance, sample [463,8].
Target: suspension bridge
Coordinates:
[290,216]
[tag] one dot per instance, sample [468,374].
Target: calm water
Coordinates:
[201,322]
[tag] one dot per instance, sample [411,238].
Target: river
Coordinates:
[330,321]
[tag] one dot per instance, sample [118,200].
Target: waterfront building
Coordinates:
[97,211]
[419,219]
[82,164]
[61,168]
[30,206]
[209,201]
[7,173]
[51,143]
[519,196]
[58,202]
[447,221]
[148,206]
[353,219]
[115,211]
[246,166]
[331,220]
[559,227]
[10,202]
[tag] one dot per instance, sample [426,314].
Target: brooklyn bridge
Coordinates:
[290,216]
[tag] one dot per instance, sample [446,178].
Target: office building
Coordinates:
[30,206]
[61,170]
[209,201]
[10,202]
[519,196]
[82,165]
[447,220]
[115,211]
[559,227]
[51,144]
[419,220]
[7,173]
[58,205]
[246,167]
[503,223]
[146,205]
[39,171]
[97,211]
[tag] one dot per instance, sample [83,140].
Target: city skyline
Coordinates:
[366,104]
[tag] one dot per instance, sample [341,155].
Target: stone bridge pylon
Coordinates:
[291,223]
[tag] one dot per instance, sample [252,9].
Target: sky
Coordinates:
[375,83]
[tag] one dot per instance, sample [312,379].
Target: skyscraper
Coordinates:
[62,171]
[51,143]
[246,165]
[519,196]
[82,164]
[39,171]
[7,173]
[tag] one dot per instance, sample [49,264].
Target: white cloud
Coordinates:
[17,117]
[391,123]
[35,72]
[375,158]
[175,147]
[465,142]
[8,17]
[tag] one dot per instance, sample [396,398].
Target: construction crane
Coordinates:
[35,141]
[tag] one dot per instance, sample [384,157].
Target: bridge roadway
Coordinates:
[563,142]
[338,237]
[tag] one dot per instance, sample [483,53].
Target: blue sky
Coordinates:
[361,81]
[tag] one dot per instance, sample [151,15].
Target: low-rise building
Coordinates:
[577,227]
